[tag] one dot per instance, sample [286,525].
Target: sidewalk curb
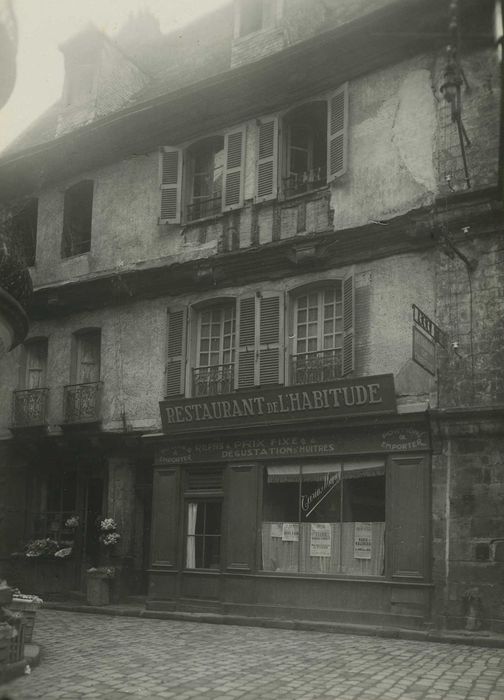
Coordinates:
[459,637]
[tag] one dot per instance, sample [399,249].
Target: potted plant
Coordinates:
[27,605]
[98,584]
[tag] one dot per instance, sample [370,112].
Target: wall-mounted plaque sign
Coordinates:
[424,351]
[346,397]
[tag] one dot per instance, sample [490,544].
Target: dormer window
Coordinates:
[254,15]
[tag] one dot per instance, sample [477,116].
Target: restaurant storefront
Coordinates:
[310,504]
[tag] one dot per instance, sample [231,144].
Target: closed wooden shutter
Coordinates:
[348,325]
[234,161]
[337,133]
[246,322]
[171,185]
[260,340]
[176,352]
[271,334]
[267,160]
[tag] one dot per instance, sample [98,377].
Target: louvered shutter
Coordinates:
[171,185]
[176,352]
[234,159]
[348,325]
[247,350]
[337,133]
[271,334]
[267,160]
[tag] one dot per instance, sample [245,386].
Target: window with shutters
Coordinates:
[204,172]
[305,150]
[35,364]
[24,224]
[215,354]
[77,218]
[322,333]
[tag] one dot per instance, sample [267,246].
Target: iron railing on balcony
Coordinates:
[82,402]
[297,183]
[201,208]
[315,367]
[217,379]
[29,408]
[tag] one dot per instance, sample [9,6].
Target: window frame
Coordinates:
[189,174]
[200,499]
[72,246]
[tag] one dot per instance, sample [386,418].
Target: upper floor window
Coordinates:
[305,149]
[205,166]
[24,225]
[215,363]
[34,365]
[77,218]
[254,15]
[87,356]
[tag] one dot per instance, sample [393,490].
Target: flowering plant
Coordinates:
[108,525]
[72,522]
[41,548]
[63,553]
[108,535]
[103,571]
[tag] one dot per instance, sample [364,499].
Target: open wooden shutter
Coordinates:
[337,133]
[271,335]
[247,350]
[176,352]
[234,161]
[171,185]
[348,324]
[267,160]
[260,340]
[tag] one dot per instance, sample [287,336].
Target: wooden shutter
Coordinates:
[260,340]
[271,334]
[234,160]
[337,133]
[348,324]
[246,322]
[176,352]
[171,185]
[267,160]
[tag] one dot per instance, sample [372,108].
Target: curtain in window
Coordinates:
[192,512]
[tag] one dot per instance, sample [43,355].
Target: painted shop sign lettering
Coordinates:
[309,502]
[397,440]
[285,405]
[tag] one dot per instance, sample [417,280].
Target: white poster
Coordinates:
[363,540]
[290,532]
[320,540]
[277,530]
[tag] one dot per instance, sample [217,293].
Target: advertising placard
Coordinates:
[320,540]
[363,540]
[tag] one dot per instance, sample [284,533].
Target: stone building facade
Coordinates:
[228,252]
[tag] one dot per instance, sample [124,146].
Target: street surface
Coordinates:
[93,656]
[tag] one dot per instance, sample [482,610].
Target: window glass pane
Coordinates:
[203,535]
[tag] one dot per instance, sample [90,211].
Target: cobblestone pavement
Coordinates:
[117,658]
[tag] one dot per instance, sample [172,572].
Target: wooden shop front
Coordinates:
[308,502]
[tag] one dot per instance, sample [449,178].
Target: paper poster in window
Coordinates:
[320,540]
[290,532]
[363,539]
[277,530]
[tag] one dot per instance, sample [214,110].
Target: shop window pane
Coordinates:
[203,535]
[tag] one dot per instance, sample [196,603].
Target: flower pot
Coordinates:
[98,589]
[28,609]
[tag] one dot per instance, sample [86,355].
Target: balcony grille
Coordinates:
[82,402]
[316,367]
[202,208]
[297,183]
[217,379]
[29,408]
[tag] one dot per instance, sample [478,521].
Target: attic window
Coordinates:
[78,210]
[80,83]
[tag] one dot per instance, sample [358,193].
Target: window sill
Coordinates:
[64,258]
[203,220]
[301,195]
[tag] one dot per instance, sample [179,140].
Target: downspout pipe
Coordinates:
[499,43]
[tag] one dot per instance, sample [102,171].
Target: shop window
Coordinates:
[322,333]
[312,151]
[203,534]
[77,217]
[24,225]
[34,364]
[205,165]
[215,355]
[212,170]
[324,519]
[87,352]
[58,503]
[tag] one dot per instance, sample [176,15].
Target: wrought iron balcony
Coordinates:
[316,367]
[297,183]
[82,403]
[206,206]
[29,408]
[217,379]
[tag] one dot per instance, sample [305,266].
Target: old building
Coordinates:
[242,230]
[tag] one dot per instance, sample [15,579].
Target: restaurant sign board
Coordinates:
[261,407]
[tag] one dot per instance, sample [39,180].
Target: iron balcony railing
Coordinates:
[217,379]
[297,183]
[82,402]
[204,207]
[315,367]
[29,408]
